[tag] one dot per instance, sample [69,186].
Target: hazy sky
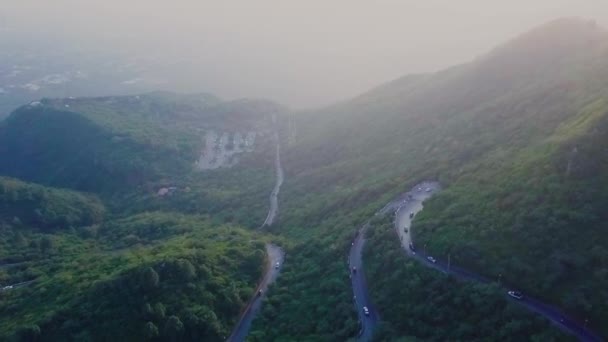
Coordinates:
[302,53]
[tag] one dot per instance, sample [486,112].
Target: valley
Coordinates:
[167,216]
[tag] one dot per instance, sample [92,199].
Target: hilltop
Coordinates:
[515,137]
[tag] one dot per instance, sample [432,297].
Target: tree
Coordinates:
[150,331]
[159,311]
[186,269]
[46,244]
[149,279]
[174,328]
[29,334]
[19,240]
[147,311]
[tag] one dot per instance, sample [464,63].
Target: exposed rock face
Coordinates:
[222,149]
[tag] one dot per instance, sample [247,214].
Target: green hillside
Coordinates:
[126,261]
[47,209]
[157,247]
[130,278]
[112,143]
[499,134]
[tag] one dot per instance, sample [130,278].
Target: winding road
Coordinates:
[274,195]
[275,255]
[360,294]
[411,203]
[275,260]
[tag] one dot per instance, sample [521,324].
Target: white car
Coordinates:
[515,294]
[431,259]
[428,189]
[366,311]
[276,266]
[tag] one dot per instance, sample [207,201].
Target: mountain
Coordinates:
[516,137]
[109,143]
[132,210]
[112,227]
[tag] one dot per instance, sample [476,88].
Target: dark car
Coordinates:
[354,269]
[411,215]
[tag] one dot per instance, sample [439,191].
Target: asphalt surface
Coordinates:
[240,331]
[275,254]
[411,202]
[360,295]
[274,195]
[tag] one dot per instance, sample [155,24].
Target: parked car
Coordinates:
[366,311]
[276,266]
[260,292]
[515,294]
[411,215]
[431,259]
[354,269]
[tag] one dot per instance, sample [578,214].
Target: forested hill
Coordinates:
[518,92]
[152,246]
[111,143]
[515,137]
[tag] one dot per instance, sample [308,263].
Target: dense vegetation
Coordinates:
[122,262]
[498,134]
[237,195]
[421,304]
[538,219]
[46,208]
[118,143]
[517,138]
[311,300]
[89,285]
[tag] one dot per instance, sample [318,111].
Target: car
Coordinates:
[366,311]
[412,247]
[431,259]
[411,215]
[515,294]
[260,292]
[428,189]
[276,266]
[354,269]
[405,230]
